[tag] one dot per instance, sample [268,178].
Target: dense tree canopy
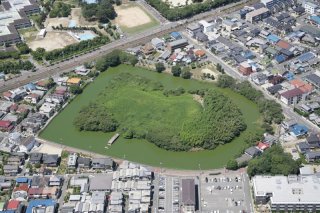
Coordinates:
[102,11]
[160,67]
[95,118]
[176,13]
[15,67]
[273,162]
[271,110]
[115,58]
[60,9]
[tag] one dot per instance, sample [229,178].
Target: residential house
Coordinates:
[81,70]
[313,141]
[200,36]
[38,181]
[51,160]
[55,181]
[35,158]
[6,126]
[72,160]
[193,29]
[74,81]
[188,195]
[27,144]
[14,160]
[252,151]
[303,147]
[32,98]
[257,15]
[181,43]
[84,163]
[245,68]
[293,96]
[10,170]
[147,49]
[312,156]
[175,35]
[47,109]
[273,90]
[206,27]
[157,43]
[102,164]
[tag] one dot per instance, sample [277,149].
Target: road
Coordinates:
[287,110]
[131,41]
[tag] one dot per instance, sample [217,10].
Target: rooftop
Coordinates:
[292,189]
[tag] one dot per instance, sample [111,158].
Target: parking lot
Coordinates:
[225,194]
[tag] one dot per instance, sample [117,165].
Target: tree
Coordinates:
[273,161]
[23,48]
[185,73]
[176,71]
[75,89]
[160,67]
[226,81]
[232,164]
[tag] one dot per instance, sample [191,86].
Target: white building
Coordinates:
[27,144]
[310,7]
[206,26]
[47,109]
[288,193]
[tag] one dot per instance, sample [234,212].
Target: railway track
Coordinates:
[136,40]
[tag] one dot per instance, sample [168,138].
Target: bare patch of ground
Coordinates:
[131,16]
[49,149]
[178,3]
[198,99]
[50,22]
[53,40]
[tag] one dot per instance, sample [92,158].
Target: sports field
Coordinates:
[133,19]
[62,130]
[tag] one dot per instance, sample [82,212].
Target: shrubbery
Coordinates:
[271,110]
[273,162]
[95,118]
[115,58]
[60,9]
[103,11]
[177,13]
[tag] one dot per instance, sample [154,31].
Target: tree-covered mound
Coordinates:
[173,119]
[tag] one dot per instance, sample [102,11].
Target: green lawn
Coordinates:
[137,109]
[62,130]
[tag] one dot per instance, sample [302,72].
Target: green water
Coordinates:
[62,131]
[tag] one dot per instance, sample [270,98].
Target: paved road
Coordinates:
[287,111]
[124,43]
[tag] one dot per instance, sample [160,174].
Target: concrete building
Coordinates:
[14,16]
[293,96]
[206,26]
[257,15]
[310,7]
[72,161]
[288,193]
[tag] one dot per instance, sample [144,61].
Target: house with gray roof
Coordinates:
[252,151]
[51,160]
[312,156]
[102,164]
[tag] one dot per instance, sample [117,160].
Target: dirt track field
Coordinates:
[131,16]
[53,40]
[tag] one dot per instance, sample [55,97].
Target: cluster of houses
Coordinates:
[172,49]
[257,149]
[35,194]
[127,189]
[310,148]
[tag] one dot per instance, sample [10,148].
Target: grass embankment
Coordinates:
[62,130]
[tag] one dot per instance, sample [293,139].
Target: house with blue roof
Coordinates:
[280,58]
[315,20]
[30,87]
[42,204]
[298,130]
[176,35]
[305,57]
[273,38]
[22,180]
